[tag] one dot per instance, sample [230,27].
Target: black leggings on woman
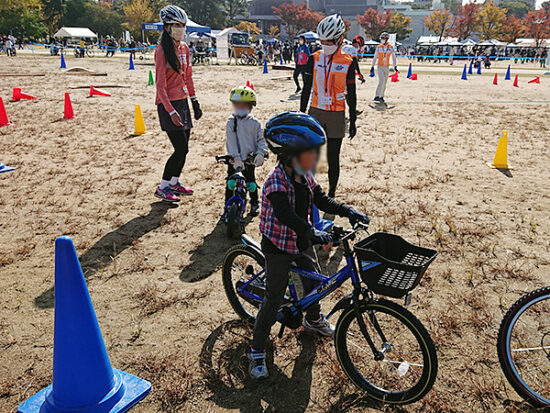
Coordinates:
[180,141]
[333,157]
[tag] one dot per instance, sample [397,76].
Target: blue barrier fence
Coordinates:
[460,57]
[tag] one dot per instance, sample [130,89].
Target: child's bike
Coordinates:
[381,346]
[523,346]
[233,214]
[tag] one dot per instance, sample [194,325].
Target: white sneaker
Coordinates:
[321,326]
[256,365]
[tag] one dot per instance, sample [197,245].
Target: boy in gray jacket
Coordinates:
[245,141]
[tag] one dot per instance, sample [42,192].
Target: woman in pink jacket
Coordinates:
[174,86]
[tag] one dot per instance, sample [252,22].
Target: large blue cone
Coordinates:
[507,73]
[131,67]
[83,379]
[471,68]
[478,68]
[464,75]
[63,65]
[410,72]
[265,67]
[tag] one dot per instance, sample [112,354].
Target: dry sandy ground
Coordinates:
[154,272]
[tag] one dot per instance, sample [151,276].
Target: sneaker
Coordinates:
[166,194]
[179,189]
[256,365]
[321,326]
[381,100]
[254,210]
[377,98]
[298,89]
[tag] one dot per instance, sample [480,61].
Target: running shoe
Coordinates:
[321,326]
[179,189]
[256,365]
[254,210]
[166,194]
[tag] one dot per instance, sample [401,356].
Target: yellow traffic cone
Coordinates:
[139,124]
[501,156]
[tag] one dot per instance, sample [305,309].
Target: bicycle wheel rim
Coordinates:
[508,352]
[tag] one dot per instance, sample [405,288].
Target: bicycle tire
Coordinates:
[90,53]
[232,224]
[505,330]
[429,374]
[228,285]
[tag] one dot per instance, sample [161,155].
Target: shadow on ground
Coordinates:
[102,253]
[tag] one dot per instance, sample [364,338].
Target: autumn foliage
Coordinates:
[374,22]
[297,17]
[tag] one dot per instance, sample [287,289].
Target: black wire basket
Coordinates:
[391,266]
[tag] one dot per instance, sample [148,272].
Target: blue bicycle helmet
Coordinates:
[290,133]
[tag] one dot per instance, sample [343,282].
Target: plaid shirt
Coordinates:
[279,234]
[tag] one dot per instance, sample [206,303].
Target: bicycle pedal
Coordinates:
[408,299]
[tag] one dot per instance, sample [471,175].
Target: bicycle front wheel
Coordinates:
[523,346]
[408,369]
[90,53]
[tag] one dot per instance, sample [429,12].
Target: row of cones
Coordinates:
[516,80]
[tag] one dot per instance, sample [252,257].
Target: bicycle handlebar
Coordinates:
[227,159]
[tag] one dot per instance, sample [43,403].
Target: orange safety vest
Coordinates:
[329,80]
[384,53]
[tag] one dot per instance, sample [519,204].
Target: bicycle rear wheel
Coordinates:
[523,346]
[409,367]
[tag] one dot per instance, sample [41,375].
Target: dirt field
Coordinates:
[418,169]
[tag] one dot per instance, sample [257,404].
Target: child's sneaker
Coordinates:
[254,210]
[256,365]
[166,194]
[321,326]
[179,189]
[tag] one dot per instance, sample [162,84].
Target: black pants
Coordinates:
[276,278]
[174,164]
[333,156]
[300,69]
[250,176]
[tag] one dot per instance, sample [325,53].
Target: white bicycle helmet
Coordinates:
[331,27]
[173,14]
[385,35]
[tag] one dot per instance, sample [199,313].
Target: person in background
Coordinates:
[330,76]
[132,46]
[245,141]
[354,49]
[286,224]
[174,81]
[301,58]
[382,56]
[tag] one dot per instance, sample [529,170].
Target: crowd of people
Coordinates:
[9,43]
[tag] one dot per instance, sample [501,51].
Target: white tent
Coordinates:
[75,33]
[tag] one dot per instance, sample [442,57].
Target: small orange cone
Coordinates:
[4,121]
[414,76]
[18,95]
[97,92]
[395,77]
[516,81]
[249,84]
[68,114]
[495,80]
[535,80]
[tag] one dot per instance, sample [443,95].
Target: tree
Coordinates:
[400,25]
[248,27]
[512,29]
[439,22]
[136,13]
[489,21]
[374,22]
[52,12]
[208,12]
[22,18]
[273,31]
[297,17]
[537,24]
[465,21]
[515,8]
[234,7]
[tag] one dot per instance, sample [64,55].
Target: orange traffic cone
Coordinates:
[4,121]
[97,92]
[395,77]
[495,80]
[535,80]
[18,95]
[414,76]
[516,81]
[68,114]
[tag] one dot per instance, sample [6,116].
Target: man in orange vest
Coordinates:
[330,81]
[382,55]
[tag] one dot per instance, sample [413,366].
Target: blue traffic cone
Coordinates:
[507,73]
[5,168]
[371,74]
[131,63]
[83,379]
[63,65]
[320,223]
[265,66]
[410,72]
[478,68]
[470,69]
[464,76]
[281,59]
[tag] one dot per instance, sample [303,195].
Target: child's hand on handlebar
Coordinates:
[259,159]
[356,217]
[319,237]
[238,164]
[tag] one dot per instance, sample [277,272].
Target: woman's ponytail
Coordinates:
[167,44]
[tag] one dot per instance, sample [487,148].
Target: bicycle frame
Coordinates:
[239,197]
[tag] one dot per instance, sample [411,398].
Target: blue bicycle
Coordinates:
[381,346]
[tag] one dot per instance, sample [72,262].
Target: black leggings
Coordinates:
[300,69]
[175,163]
[333,157]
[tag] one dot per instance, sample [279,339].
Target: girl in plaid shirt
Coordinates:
[288,234]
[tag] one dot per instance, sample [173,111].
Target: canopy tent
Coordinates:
[468,42]
[371,42]
[191,27]
[75,33]
[491,42]
[308,35]
[197,35]
[435,40]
